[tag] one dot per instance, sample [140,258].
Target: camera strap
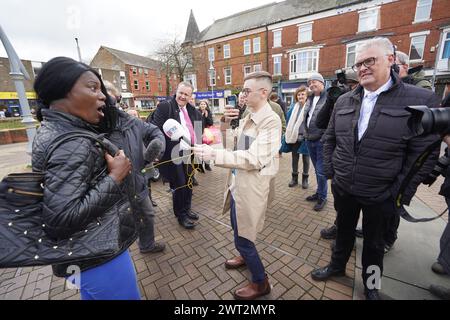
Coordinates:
[414,169]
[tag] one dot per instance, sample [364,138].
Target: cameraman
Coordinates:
[442,265]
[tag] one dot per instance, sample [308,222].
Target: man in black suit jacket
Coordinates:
[178,174]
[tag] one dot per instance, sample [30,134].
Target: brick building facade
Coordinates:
[298,38]
[139,78]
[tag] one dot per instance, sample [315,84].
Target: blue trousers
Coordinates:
[113,280]
[247,250]
[315,149]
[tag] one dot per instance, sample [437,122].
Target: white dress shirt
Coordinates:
[311,111]
[367,105]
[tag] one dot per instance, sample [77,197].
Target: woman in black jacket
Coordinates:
[78,190]
[207,120]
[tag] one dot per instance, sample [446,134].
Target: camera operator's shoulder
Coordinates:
[418,95]
[345,99]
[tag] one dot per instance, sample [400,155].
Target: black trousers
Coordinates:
[348,208]
[390,230]
[178,176]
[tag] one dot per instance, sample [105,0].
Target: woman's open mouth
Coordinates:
[100,111]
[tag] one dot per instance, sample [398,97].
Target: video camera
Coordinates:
[424,120]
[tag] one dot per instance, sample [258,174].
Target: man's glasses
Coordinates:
[367,63]
[247,91]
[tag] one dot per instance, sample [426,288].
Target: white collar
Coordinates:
[383,88]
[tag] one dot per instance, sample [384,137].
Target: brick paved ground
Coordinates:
[192,265]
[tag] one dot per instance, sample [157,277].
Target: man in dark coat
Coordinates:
[367,154]
[179,173]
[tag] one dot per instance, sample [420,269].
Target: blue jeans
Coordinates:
[315,149]
[247,250]
[113,280]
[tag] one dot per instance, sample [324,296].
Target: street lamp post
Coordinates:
[212,71]
[78,49]
[18,75]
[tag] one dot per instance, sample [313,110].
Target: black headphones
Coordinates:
[395,66]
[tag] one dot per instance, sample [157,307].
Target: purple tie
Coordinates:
[189,124]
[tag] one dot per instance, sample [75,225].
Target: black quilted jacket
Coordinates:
[76,190]
[374,167]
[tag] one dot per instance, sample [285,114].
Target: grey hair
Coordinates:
[402,57]
[383,43]
[185,84]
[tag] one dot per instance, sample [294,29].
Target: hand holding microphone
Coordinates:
[175,131]
[204,152]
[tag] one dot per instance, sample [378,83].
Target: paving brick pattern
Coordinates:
[192,265]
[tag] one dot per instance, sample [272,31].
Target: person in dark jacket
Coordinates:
[179,174]
[367,155]
[207,120]
[277,99]
[131,134]
[313,134]
[78,190]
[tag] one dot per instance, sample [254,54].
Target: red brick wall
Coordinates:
[236,62]
[395,18]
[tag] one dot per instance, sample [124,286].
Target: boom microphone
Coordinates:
[154,150]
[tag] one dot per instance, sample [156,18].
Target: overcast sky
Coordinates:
[42,29]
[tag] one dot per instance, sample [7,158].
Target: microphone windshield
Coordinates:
[174,130]
[154,149]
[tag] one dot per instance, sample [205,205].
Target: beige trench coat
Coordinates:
[256,161]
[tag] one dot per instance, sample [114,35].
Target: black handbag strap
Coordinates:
[98,138]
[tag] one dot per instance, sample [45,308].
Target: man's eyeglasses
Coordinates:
[247,91]
[367,63]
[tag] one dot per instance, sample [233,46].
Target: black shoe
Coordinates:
[157,247]
[440,291]
[320,204]
[329,233]
[438,268]
[194,182]
[207,167]
[372,294]
[192,215]
[313,198]
[322,274]
[186,223]
[358,233]
[305,181]
[294,180]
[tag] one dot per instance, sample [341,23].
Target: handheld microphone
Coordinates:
[154,150]
[175,131]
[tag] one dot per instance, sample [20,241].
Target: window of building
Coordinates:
[368,20]
[141,70]
[351,55]
[305,33]
[417,48]
[226,51]
[257,45]
[147,85]
[277,64]
[146,72]
[257,68]
[423,10]
[304,62]
[123,80]
[277,39]
[211,54]
[247,70]
[136,85]
[212,77]
[444,51]
[192,79]
[446,46]
[247,47]
[227,74]
[134,70]
[160,87]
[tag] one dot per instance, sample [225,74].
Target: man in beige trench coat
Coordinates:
[250,183]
